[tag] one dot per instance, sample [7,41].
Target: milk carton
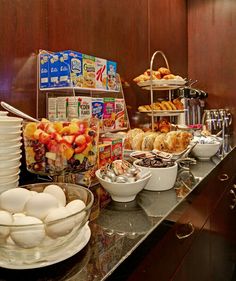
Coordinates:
[85,107]
[44,71]
[88,71]
[100,73]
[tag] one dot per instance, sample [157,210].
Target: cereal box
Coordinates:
[120,114]
[88,71]
[100,73]
[111,76]
[104,155]
[116,147]
[44,71]
[85,107]
[109,113]
[64,69]
[97,110]
[52,109]
[72,107]
[62,108]
[54,70]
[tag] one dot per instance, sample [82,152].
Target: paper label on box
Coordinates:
[85,107]
[104,154]
[73,104]
[109,113]
[88,71]
[116,147]
[101,73]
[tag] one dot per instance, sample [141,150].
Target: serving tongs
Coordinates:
[17,112]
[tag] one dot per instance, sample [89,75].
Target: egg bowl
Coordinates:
[26,239]
[123,192]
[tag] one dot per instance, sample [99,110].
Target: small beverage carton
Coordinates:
[61,108]
[44,81]
[88,71]
[85,107]
[72,105]
[116,147]
[109,114]
[97,110]
[120,114]
[52,109]
[101,73]
[112,76]
[104,155]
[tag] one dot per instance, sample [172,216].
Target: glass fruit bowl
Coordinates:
[33,229]
[54,148]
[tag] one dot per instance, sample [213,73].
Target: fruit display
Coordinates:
[53,148]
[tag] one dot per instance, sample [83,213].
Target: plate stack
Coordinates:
[10,151]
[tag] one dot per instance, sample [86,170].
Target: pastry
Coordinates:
[130,135]
[167,105]
[169,76]
[164,71]
[142,108]
[148,140]
[173,107]
[136,142]
[159,142]
[164,126]
[178,104]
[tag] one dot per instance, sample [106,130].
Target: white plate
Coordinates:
[162,84]
[73,248]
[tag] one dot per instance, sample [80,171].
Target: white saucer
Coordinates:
[74,247]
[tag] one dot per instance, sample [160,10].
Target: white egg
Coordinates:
[40,204]
[74,207]
[24,235]
[60,227]
[6,219]
[57,192]
[13,200]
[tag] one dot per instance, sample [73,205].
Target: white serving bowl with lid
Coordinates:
[162,179]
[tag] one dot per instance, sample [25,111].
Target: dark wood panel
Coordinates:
[211,45]
[23,31]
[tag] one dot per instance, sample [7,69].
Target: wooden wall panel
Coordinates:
[211,50]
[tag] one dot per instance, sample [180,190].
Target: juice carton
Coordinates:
[72,107]
[116,147]
[104,155]
[54,70]
[62,108]
[88,71]
[52,109]
[111,76]
[120,114]
[85,107]
[97,110]
[44,71]
[109,114]
[101,73]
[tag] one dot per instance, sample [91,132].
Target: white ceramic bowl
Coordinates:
[10,171]
[7,121]
[6,142]
[10,156]
[10,129]
[206,150]
[10,136]
[123,192]
[162,178]
[9,178]
[9,185]
[10,163]
[8,149]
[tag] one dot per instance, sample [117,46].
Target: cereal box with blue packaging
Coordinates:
[44,81]
[88,71]
[54,70]
[73,61]
[97,110]
[112,83]
[100,73]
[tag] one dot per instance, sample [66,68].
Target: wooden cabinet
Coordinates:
[201,244]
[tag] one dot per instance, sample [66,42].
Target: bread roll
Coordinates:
[164,71]
[148,141]
[169,76]
[159,142]
[136,142]
[167,105]
[130,135]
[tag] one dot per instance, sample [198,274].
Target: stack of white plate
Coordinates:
[10,151]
